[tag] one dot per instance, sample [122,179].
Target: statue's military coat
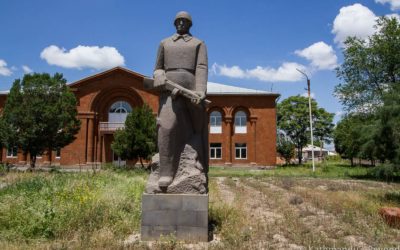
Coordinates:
[183,60]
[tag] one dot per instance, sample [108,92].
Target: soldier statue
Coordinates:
[182,119]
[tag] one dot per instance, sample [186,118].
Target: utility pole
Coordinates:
[311,124]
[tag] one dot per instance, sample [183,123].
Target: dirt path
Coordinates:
[285,215]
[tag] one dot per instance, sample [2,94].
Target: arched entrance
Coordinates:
[112,106]
[117,115]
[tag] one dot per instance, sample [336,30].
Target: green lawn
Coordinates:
[323,170]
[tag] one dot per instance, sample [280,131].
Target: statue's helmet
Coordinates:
[183,14]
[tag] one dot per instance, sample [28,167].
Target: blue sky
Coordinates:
[255,44]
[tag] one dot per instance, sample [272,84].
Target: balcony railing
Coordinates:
[111,126]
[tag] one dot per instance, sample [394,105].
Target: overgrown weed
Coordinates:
[89,209]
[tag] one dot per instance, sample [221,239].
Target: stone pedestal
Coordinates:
[184,216]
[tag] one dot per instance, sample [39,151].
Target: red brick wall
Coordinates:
[260,138]
[97,93]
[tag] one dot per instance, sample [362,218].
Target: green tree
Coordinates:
[40,114]
[369,91]
[388,124]
[293,119]
[138,139]
[370,68]
[347,137]
[323,127]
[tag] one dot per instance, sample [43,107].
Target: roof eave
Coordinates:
[76,83]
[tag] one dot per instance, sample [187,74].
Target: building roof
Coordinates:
[222,89]
[309,148]
[212,87]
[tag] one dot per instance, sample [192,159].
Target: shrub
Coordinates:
[386,172]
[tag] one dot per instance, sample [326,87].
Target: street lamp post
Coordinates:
[311,124]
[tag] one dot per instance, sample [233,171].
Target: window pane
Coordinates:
[212,153]
[244,153]
[237,121]
[237,153]
[240,118]
[58,153]
[12,151]
[215,150]
[218,153]
[120,107]
[215,118]
[240,122]
[218,121]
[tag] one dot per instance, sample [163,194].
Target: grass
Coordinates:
[323,170]
[78,210]
[249,209]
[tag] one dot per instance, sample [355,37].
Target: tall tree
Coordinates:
[370,68]
[388,123]
[293,119]
[138,139]
[40,114]
[370,93]
[347,136]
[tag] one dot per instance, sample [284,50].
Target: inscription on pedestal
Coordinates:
[184,216]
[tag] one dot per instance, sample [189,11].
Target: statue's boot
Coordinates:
[165,181]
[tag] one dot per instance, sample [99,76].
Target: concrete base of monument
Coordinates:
[184,216]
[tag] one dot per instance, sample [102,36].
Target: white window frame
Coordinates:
[242,147]
[214,149]
[240,122]
[118,112]
[215,122]
[14,153]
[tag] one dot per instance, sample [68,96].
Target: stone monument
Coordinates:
[176,197]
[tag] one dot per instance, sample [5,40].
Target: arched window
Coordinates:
[215,122]
[119,111]
[240,122]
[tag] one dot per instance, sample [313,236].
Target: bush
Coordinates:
[286,149]
[387,172]
[333,158]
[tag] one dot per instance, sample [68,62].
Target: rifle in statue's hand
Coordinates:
[148,83]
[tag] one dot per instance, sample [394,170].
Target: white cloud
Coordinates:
[321,55]
[285,73]
[26,69]
[4,71]
[394,4]
[83,57]
[234,71]
[354,20]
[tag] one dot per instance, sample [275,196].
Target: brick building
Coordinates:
[242,122]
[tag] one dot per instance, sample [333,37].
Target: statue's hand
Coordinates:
[175,93]
[201,96]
